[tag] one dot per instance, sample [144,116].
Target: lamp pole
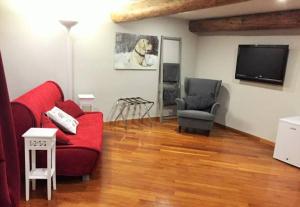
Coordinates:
[68,25]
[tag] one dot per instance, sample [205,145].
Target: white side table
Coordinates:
[86,100]
[40,139]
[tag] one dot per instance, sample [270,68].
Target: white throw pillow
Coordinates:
[63,120]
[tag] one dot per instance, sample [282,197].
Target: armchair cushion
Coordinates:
[192,114]
[197,86]
[199,102]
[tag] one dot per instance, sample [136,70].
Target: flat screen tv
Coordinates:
[262,63]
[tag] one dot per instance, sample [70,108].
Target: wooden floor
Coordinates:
[156,166]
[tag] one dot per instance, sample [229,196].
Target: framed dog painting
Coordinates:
[136,52]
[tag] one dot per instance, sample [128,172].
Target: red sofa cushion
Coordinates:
[70,107]
[81,157]
[89,131]
[61,137]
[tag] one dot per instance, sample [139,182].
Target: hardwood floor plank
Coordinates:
[156,166]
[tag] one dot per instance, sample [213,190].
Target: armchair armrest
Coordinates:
[180,103]
[214,108]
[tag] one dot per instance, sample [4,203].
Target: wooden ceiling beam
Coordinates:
[263,21]
[141,9]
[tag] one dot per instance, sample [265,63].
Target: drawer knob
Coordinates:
[292,128]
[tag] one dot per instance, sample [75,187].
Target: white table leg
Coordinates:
[27,172]
[49,173]
[33,167]
[54,167]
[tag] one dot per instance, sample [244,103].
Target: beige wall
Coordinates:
[250,107]
[34,50]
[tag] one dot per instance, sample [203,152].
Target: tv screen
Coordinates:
[263,63]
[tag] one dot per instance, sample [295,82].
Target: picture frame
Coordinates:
[136,52]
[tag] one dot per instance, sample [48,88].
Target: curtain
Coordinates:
[9,163]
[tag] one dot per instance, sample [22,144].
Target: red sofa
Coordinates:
[77,159]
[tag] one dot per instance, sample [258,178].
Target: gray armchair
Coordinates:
[198,109]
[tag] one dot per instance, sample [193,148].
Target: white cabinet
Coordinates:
[40,139]
[287,147]
[86,101]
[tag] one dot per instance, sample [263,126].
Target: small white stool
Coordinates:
[86,100]
[40,139]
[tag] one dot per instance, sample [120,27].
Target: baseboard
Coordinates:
[260,139]
[130,120]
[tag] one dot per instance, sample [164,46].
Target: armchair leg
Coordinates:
[208,133]
[179,129]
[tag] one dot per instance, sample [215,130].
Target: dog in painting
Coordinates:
[138,55]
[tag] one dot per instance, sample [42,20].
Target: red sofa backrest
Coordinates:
[28,108]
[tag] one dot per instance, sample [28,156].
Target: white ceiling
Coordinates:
[250,7]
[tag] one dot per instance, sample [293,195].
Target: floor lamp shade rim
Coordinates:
[68,23]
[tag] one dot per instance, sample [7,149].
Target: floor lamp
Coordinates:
[69,25]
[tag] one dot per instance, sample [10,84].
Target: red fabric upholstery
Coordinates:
[61,137]
[41,99]
[70,107]
[72,160]
[80,157]
[9,163]
[87,133]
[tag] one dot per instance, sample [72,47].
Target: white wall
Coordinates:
[94,61]
[35,51]
[250,107]
[30,55]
